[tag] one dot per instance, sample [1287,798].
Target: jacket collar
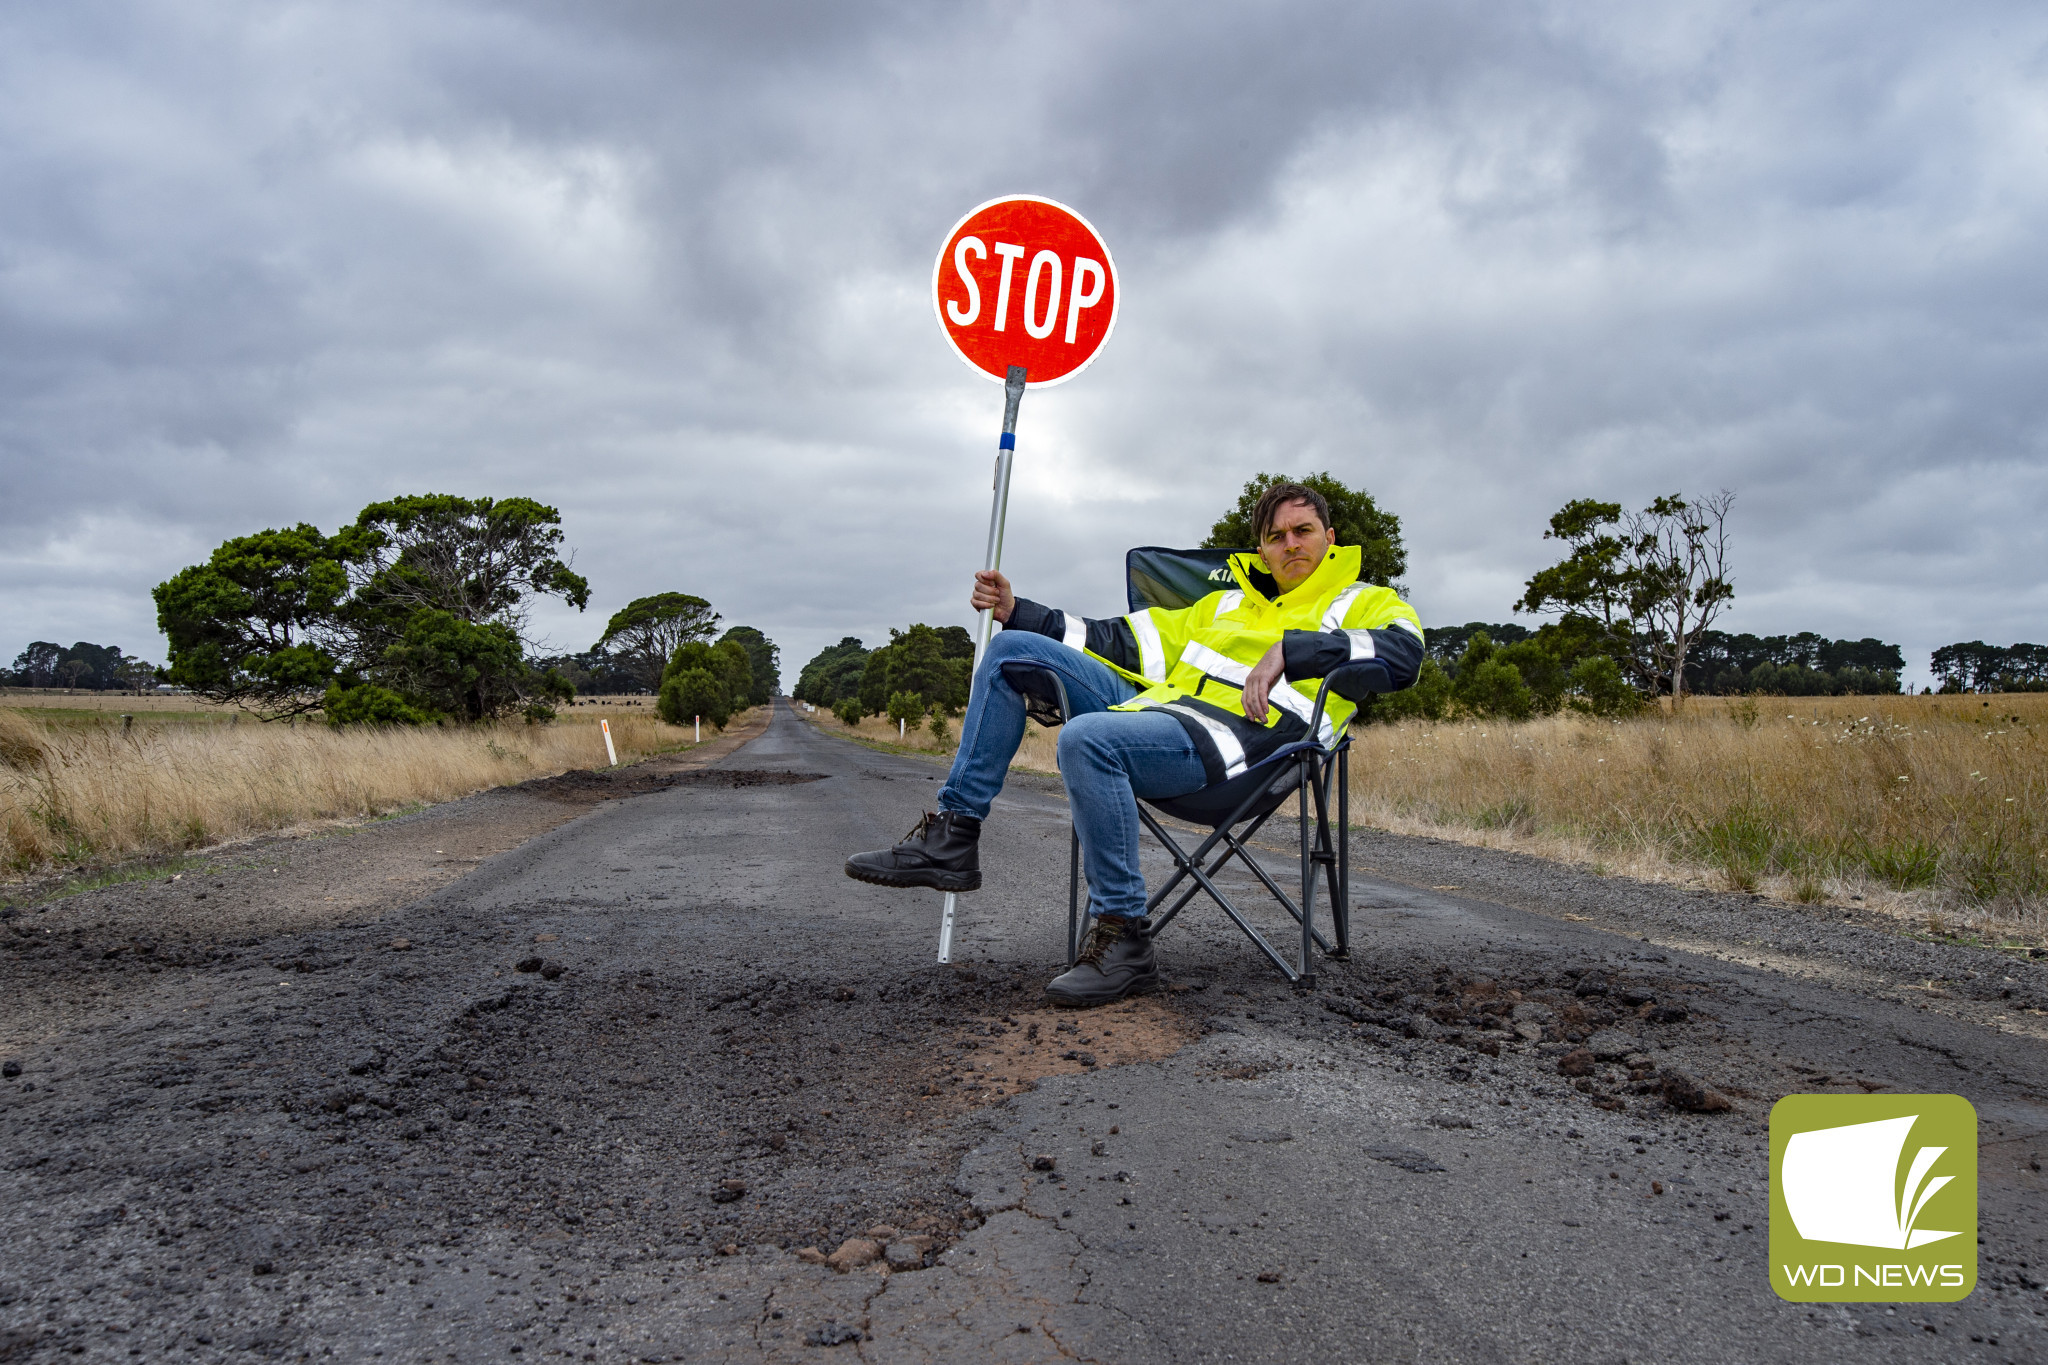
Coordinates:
[1339,569]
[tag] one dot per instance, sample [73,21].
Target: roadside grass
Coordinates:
[1038,753]
[88,797]
[151,870]
[1932,808]
[879,732]
[87,700]
[94,718]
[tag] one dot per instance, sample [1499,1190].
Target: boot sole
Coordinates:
[1140,985]
[926,879]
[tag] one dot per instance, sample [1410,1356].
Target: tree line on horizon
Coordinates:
[95,668]
[1973,666]
[1634,598]
[1720,664]
[922,671]
[415,614]
[663,644]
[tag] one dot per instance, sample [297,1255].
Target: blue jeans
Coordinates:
[1108,759]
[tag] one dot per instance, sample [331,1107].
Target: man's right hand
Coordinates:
[991,589]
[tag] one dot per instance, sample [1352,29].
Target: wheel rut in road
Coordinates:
[313,1141]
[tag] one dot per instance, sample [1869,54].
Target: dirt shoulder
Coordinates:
[351,874]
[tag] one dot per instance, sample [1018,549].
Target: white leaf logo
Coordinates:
[1842,1185]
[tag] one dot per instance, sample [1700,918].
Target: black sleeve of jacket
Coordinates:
[1111,639]
[1039,620]
[1397,658]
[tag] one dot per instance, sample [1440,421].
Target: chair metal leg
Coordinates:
[1160,921]
[1325,852]
[1074,921]
[1234,846]
[1220,835]
[1341,910]
[1231,849]
[1243,855]
[1193,869]
[1182,869]
[1308,881]
[1320,857]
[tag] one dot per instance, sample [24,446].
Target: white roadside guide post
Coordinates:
[609,751]
[980,263]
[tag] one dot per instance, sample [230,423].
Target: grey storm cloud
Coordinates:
[668,268]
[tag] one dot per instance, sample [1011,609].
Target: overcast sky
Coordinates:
[668,267]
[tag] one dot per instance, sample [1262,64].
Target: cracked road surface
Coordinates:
[625,1082]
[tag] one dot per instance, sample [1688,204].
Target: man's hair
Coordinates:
[1280,495]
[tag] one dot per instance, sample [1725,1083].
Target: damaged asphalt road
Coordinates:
[1496,1133]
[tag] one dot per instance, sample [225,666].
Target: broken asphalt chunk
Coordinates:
[1684,1093]
[853,1253]
[1577,1062]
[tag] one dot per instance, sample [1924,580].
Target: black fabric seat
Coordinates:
[1212,805]
[1232,811]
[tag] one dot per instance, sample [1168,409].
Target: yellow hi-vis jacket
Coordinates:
[1193,663]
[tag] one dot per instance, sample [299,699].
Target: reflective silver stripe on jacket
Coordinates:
[1227,747]
[1407,625]
[1361,644]
[1333,615]
[1287,699]
[1221,666]
[1284,696]
[1076,634]
[1230,601]
[1151,652]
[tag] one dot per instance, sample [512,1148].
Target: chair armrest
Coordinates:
[1355,668]
[1045,696]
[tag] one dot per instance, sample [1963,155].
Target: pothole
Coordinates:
[1007,1054]
[743,777]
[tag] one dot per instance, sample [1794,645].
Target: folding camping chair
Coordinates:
[1234,811]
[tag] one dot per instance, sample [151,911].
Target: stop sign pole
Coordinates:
[1006,450]
[1062,329]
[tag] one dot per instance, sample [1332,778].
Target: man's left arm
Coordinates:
[1386,640]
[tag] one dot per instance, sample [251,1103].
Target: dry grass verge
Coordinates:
[1039,752]
[1933,806]
[72,795]
[880,732]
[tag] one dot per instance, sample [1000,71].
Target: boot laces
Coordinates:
[1100,940]
[923,825]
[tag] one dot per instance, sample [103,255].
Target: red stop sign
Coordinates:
[1025,281]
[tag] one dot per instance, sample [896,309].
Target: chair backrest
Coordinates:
[1158,577]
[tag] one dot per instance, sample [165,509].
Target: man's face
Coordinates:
[1294,543]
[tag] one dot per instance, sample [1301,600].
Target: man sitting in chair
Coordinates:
[1163,703]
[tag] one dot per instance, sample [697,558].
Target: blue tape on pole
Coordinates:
[1009,441]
